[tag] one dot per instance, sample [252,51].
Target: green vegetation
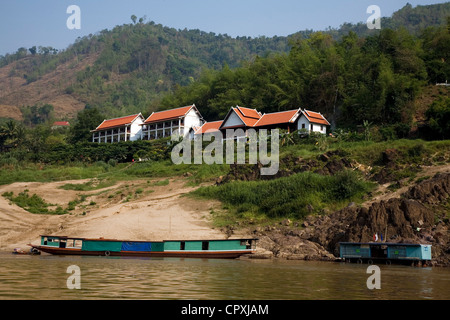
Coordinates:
[34,204]
[438,116]
[295,196]
[94,184]
[164,182]
[367,83]
[373,80]
[136,64]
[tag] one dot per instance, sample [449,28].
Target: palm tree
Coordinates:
[10,129]
[3,136]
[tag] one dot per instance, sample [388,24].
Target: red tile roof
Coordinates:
[249,113]
[117,122]
[315,117]
[277,118]
[168,114]
[209,127]
[252,118]
[248,116]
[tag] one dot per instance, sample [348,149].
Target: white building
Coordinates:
[127,128]
[291,120]
[163,123]
[312,122]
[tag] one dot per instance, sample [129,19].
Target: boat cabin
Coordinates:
[389,252]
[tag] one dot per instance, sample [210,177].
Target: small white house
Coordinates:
[127,128]
[312,122]
[291,120]
[163,123]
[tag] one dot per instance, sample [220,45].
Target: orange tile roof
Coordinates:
[209,127]
[315,117]
[247,115]
[117,122]
[277,118]
[169,114]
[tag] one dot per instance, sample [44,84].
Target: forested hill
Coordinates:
[413,19]
[123,70]
[132,67]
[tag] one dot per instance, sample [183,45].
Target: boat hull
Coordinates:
[219,254]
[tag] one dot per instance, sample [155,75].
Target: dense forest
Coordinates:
[354,79]
[358,78]
[135,65]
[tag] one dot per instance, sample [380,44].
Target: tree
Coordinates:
[438,118]
[87,120]
[12,132]
[33,50]
[133,18]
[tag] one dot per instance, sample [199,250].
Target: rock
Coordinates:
[418,216]
[405,219]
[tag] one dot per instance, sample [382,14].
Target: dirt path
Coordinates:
[136,210]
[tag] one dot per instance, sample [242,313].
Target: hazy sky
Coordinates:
[24,23]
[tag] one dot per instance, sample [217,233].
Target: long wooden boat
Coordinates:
[226,248]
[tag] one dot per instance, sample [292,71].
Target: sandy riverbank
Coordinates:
[155,213]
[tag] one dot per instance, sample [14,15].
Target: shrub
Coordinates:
[295,196]
[34,204]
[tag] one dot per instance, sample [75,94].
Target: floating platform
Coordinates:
[385,252]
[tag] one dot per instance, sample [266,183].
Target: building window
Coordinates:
[303,126]
[312,127]
[321,128]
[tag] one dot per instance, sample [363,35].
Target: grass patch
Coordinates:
[72,204]
[33,204]
[160,183]
[31,172]
[294,197]
[94,184]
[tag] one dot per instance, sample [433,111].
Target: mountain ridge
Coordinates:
[131,67]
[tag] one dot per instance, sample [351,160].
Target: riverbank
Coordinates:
[409,216]
[136,210]
[160,210]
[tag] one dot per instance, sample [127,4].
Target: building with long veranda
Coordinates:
[126,128]
[185,121]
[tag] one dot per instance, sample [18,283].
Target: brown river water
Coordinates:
[46,277]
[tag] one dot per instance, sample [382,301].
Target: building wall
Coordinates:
[233,120]
[192,119]
[118,134]
[136,129]
[315,127]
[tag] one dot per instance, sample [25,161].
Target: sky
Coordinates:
[25,23]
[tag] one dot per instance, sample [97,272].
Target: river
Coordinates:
[47,277]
